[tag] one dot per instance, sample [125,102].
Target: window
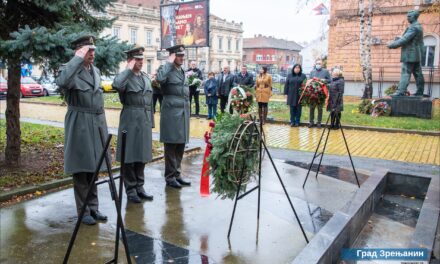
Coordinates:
[237,45]
[229,63]
[116,31]
[229,43]
[149,66]
[220,65]
[287,58]
[148,37]
[220,43]
[244,58]
[274,58]
[259,57]
[428,55]
[133,35]
[268,57]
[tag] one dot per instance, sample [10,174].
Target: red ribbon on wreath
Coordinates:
[204,177]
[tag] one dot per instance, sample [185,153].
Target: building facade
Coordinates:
[138,22]
[276,54]
[389,21]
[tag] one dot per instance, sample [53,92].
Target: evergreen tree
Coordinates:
[41,31]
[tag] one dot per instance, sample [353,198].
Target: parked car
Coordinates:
[49,86]
[106,83]
[3,87]
[278,78]
[29,87]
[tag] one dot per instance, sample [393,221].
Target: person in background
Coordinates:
[211,95]
[244,78]
[193,89]
[225,83]
[323,75]
[292,88]
[336,98]
[263,92]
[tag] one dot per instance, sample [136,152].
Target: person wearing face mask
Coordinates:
[324,76]
[292,88]
[137,118]
[263,92]
[80,82]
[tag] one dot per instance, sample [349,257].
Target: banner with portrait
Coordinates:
[185,23]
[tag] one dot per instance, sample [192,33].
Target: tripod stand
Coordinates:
[115,197]
[321,154]
[262,145]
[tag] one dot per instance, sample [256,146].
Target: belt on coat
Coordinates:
[143,107]
[86,110]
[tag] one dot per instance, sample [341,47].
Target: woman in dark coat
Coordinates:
[292,89]
[336,98]
[211,95]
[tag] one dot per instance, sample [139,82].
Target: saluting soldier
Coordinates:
[81,85]
[174,118]
[137,118]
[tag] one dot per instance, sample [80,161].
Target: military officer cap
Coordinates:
[137,53]
[83,41]
[178,49]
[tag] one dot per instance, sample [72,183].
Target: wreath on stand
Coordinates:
[235,146]
[313,92]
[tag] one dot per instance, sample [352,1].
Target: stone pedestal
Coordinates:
[416,106]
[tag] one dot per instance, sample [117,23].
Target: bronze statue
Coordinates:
[411,54]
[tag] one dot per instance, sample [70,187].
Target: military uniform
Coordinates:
[174,119]
[137,118]
[411,55]
[85,115]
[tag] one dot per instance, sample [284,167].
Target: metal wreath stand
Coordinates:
[253,127]
[321,154]
[115,197]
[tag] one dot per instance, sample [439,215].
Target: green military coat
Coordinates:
[137,118]
[84,117]
[174,112]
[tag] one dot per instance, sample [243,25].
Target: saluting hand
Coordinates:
[172,57]
[82,51]
[130,64]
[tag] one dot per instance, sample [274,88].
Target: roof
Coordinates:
[260,41]
[143,3]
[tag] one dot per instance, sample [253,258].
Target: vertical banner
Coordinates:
[185,23]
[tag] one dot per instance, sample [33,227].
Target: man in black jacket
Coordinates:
[225,84]
[244,78]
[193,89]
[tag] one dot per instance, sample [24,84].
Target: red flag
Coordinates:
[204,177]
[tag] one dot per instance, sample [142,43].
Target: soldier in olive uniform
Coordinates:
[137,118]
[174,118]
[411,54]
[81,85]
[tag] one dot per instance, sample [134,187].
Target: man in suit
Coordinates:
[244,78]
[411,54]
[174,119]
[193,89]
[225,84]
[80,82]
[322,74]
[137,118]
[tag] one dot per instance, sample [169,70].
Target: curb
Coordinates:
[67,181]
[353,127]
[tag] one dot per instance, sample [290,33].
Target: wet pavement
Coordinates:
[179,226]
[362,143]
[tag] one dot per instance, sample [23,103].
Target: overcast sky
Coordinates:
[287,19]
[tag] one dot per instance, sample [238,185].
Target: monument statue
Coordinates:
[411,54]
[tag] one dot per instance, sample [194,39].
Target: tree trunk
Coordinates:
[13,132]
[368,79]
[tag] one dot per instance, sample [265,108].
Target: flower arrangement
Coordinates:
[224,153]
[380,108]
[193,79]
[241,98]
[313,92]
[365,106]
